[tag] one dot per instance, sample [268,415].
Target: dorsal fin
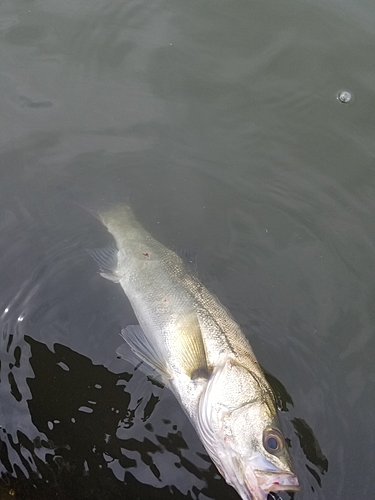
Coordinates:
[189,257]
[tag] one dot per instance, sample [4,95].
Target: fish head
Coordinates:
[238,424]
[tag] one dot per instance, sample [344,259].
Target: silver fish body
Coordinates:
[201,354]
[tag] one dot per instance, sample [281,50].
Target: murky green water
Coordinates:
[220,122]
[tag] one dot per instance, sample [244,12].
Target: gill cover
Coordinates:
[236,413]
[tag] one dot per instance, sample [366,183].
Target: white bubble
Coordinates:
[344,96]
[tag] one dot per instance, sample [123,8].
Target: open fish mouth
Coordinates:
[273,481]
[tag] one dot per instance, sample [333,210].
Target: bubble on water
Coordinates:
[344,96]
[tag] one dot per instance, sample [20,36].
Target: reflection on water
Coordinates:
[76,429]
[311,448]
[85,432]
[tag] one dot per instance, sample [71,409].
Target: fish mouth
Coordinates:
[276,481]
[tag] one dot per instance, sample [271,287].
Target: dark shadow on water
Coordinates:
[307,440]
[311,448]
[79,407]
[88,433]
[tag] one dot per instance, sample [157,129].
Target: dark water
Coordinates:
[220,121]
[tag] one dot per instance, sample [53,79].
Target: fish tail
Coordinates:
[99,206]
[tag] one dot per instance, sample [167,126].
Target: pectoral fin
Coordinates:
[139,343]
[192,350]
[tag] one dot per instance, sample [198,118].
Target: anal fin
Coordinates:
[106,258]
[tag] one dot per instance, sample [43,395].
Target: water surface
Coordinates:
[220,122]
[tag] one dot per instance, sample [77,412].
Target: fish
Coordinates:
[189,341]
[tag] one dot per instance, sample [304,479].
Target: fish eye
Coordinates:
[273,441]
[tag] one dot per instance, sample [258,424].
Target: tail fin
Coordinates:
[96,206]
[83,200]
